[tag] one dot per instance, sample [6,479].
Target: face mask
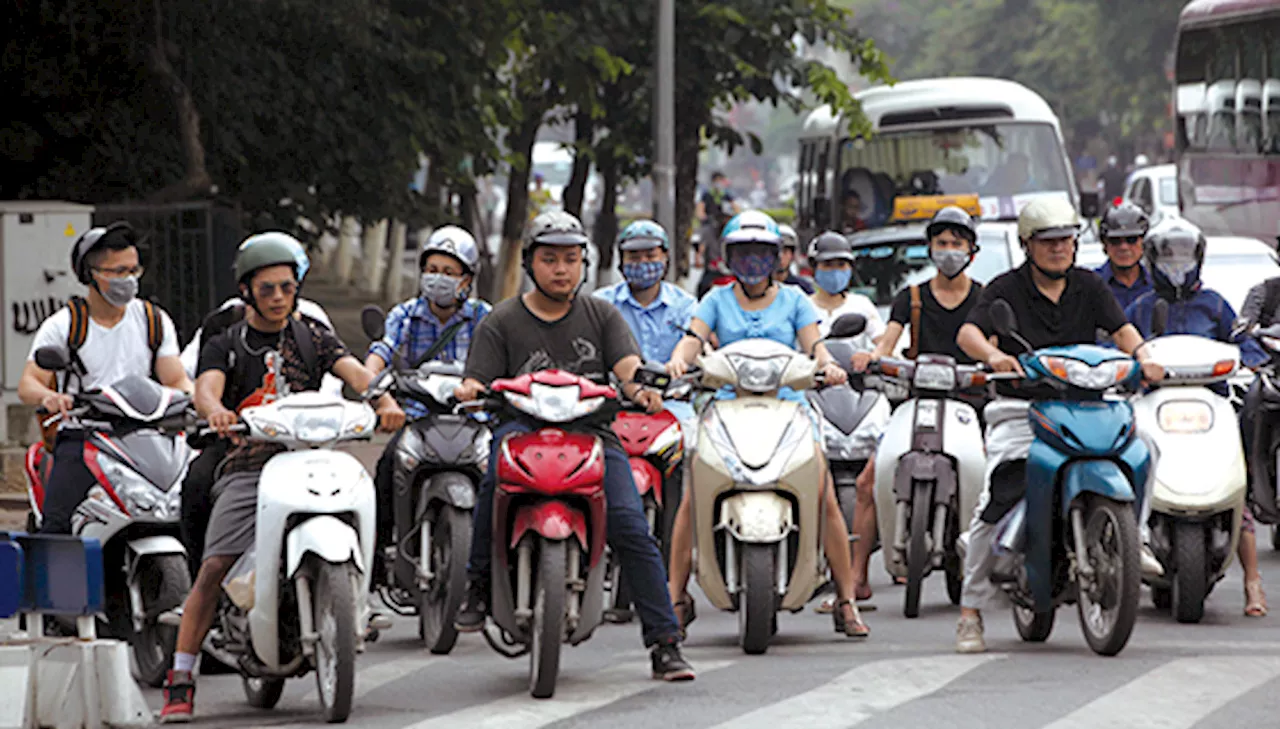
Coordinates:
[949,262]
[119,291]
[644,274]
[439,289]
[833,281]
[753,268]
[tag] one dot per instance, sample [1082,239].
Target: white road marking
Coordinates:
[574,695]
[1177,695]
[860,693]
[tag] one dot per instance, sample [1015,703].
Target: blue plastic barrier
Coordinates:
[51,574]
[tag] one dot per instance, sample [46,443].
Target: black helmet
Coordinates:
[830,246]
[1123,220]
[954,218]
[92,239]
[1174,250]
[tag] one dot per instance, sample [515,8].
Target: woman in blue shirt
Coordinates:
[756,307]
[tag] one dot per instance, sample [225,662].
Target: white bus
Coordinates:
[988,144]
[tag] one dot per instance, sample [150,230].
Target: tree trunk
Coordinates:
[688,141]
[606,228]
[521,142]
[395,263]
[195,181]
[575,191]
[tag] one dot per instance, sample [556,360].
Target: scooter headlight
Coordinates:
[1080,374]
[137,493]
[1185,416]
[938,377]
[758,375]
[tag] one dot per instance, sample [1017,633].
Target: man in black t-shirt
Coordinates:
[267,355]
[553,327]
[1055,304]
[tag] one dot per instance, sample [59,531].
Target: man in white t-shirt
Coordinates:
[117,345]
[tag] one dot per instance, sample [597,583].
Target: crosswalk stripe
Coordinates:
[860,693]
[1176,695]
[380,674]
[574,695]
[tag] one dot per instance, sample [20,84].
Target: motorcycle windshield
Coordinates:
[138,398]
[842,407]
[158,458]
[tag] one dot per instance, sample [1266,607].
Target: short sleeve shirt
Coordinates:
[111,353]
[938,324]
[853,304]
[780,321]
[658,327]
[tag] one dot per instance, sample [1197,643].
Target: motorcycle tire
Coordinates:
[262,693]
[164,581]
[1190,582]
[918,556]
[847,496]
[1111,527]
[1161,598]
[955,577]
[758,606]
[1275,536]
[1033,627]
[334,608]
[547,628]
[439,602]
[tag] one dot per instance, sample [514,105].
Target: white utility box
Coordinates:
[35,279]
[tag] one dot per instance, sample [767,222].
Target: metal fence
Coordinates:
[188,255]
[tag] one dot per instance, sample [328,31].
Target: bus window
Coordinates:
[1271,89]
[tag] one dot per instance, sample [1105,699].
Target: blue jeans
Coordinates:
[627,533]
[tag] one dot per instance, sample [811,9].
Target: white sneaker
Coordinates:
[1150,565]
[969,635]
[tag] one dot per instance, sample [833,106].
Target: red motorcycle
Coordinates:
[654,444]
[548,520]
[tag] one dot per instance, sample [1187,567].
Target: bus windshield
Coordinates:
[882,270]
[991,160]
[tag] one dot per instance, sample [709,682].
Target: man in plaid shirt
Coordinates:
[442,309]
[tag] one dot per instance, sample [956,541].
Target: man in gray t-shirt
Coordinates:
[552,327]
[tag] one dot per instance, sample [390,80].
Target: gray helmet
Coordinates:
[789,237]
[452,241]
[554,228]
[273,251]
[93,238]
[830,246]
[955,218]
[1122,221]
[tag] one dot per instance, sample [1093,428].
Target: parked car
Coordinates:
[1154,189]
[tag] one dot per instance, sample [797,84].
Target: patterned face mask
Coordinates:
[753,268]
[643,274]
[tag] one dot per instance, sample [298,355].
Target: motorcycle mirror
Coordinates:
[373,322]
[53,359]
[1002,318]
[1159,318]
[848,326]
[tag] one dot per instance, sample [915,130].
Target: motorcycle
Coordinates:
[134,449]
[314,543]
[1074,536]
[1196,503]
[852,416]
[757,511]
[438,464]
[654,443]
[549,520]
[1264,457]
[929,470]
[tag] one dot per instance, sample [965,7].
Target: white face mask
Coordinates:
[440,289]
[119,291]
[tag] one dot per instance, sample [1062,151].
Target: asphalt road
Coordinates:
[1224,672]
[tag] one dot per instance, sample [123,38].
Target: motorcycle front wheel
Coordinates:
[164,583]
[440,599]
[547,630]
[1109,607]
[1190,572]
[757,609]
[334,608]
[1033,627]
[918,555]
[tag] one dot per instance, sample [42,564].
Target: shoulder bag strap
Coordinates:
[914,350]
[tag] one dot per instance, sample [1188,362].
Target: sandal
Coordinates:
[849,621]
[685,613]
[1255,600]
[862,593]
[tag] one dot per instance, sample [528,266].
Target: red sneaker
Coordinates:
[179,698]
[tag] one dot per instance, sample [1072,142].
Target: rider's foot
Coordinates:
[374,626]
[1150,565]
[668,664]
[173,616]
[685,613]
[474,609]
[847,620]
[969,635]
[179,698]
[1255,600]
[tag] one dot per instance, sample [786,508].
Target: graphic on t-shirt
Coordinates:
[272,380]
[587,353]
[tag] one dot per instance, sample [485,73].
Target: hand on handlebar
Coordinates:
[468,391]
[222,422]
[650,400]
[57,403]
[834,374]
[1152,371]
[677,367]
[390,416]
[1001,362]
[861,360]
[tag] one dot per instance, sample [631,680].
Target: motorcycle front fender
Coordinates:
[758,517]
[451,487]
[551,519]
[1104,478]
[158,544]
[328,538]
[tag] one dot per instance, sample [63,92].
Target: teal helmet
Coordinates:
[642,235]
[273,247]
[751,226]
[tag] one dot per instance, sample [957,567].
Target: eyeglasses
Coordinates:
[1132,240]
[120,271]
[266,289]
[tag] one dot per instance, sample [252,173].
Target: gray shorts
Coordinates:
[235,506]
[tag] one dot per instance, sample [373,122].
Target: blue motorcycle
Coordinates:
[1074,537]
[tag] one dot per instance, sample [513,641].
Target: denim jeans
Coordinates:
[68,485]
[627,532]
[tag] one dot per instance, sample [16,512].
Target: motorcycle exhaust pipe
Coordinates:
[1011,532]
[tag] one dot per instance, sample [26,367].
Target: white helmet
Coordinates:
[452,241]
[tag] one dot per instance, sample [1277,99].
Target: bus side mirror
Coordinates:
[1089,207]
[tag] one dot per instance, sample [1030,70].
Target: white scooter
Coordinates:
[314,541]
[1198,495]
[929,469]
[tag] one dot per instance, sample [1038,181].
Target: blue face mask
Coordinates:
[644,274]
[833,280]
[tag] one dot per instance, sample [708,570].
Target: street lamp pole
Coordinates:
[664,168]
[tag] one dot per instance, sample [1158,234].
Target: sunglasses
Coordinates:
[1132,240]
[266,289]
